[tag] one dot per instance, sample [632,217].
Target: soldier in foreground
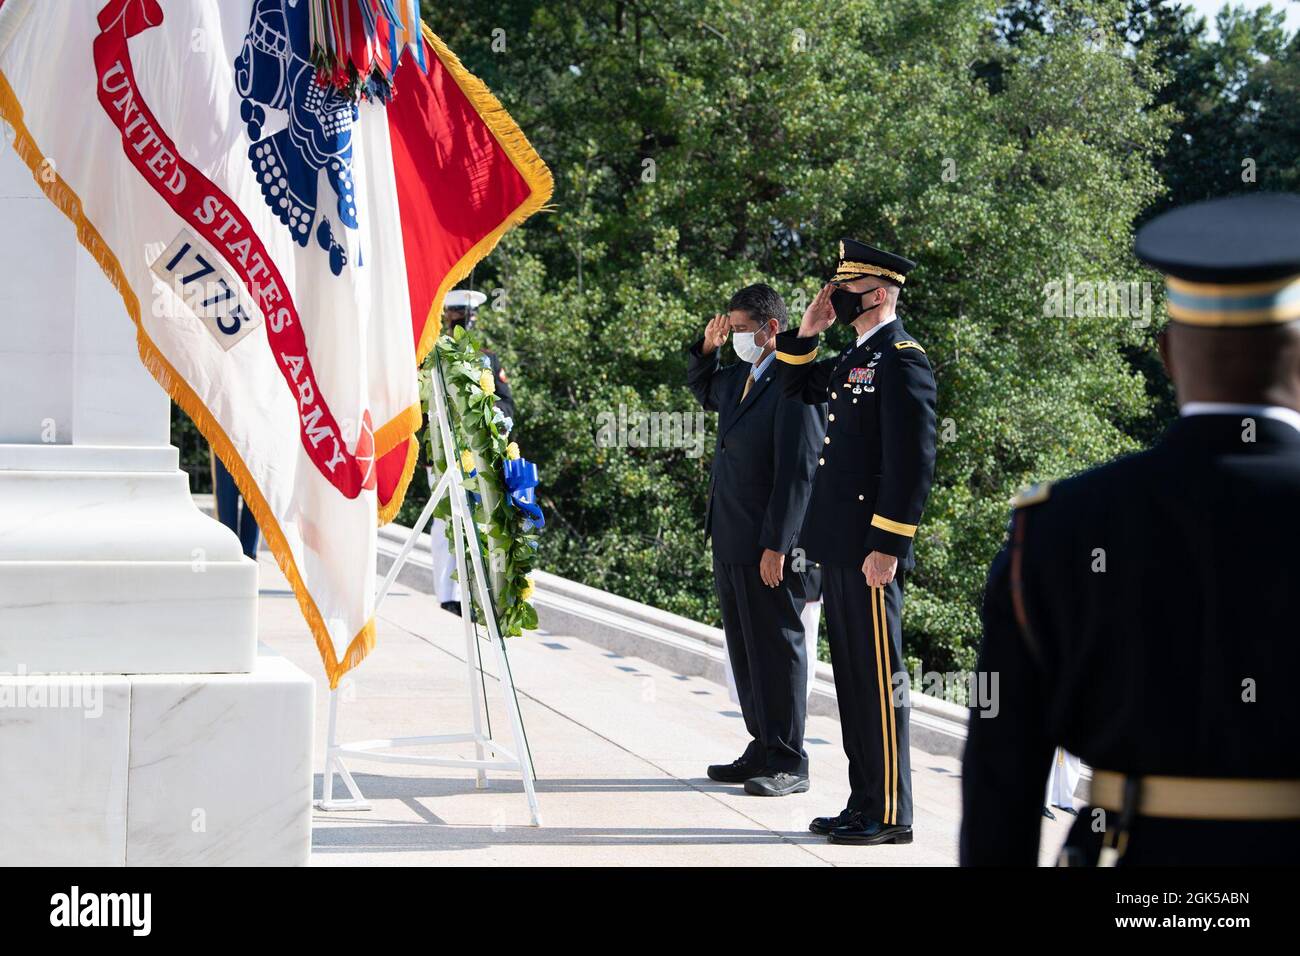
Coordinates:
[1143,614]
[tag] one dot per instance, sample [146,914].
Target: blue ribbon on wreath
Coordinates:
[521,480]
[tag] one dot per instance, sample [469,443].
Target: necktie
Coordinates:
[749,383]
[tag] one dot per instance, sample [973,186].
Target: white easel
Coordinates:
[465,531]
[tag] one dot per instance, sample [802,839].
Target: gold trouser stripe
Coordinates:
[889,685]
[897,527]
[876,616]
[1201,798]
[789,358]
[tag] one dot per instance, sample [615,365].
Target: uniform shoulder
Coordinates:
[1035,494]
[1105,485]
[904,347]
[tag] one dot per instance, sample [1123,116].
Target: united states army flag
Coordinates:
[280,238]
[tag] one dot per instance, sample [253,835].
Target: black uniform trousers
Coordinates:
[865,629]
[766,643]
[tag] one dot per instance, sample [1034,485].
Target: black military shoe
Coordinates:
[824,825]
[779,784]
[864,832]
[452,607]
[735,772]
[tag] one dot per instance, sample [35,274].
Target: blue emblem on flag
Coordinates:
[273,72]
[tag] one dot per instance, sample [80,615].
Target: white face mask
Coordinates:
[746,349]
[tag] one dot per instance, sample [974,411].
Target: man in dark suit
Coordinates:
[873,478]
[1143,614]
[762,472]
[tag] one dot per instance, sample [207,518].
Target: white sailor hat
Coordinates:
[463,299]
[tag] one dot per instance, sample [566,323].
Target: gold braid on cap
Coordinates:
[868,269]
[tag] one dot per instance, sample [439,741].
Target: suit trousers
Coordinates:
[765,642]
[865,631]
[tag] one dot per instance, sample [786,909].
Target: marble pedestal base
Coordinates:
[106,566]
[157,769]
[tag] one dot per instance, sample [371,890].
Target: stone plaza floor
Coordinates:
[620,747]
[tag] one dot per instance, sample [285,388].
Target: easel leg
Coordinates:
[476,702]
[517,726]
[332,763]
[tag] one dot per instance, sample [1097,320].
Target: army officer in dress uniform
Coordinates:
[1144,614]
[763,464]
[873,477]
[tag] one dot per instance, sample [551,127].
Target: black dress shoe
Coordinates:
[779,784]
[1047,812]
[452,606]
[864,832]
[735,772]
[824,825]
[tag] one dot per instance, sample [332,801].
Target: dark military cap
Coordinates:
[1228,262]
[857,259]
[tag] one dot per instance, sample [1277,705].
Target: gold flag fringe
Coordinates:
[67,201]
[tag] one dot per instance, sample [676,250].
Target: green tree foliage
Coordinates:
[1234,90]
[699,145]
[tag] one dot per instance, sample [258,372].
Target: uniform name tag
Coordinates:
[862,376]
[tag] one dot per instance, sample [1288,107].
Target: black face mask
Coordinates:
[848,305]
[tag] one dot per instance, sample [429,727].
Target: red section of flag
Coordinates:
[391,470]
[456,183]
[458,190]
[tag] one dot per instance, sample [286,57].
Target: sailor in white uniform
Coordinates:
[1066,770]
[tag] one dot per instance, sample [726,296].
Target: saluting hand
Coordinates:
[819,316]
[879,569]
[715,334]
[771,567]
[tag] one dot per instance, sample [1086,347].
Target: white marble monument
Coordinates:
[139,722]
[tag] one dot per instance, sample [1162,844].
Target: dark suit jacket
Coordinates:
[763,461]
[877,459]
[1141,664]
